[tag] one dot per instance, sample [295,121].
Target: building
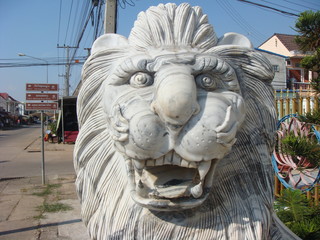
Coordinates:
[9,104]
[279,67]
[285,45]
[10,111]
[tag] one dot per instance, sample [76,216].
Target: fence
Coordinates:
[298,101]
[313,195]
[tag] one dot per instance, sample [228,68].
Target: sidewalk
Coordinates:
[30,210]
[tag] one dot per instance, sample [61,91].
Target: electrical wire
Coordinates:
[122,3]
[300,5]
[59,24]
[239,20]
[298,11]
[75,20]
[15,65]
[81,35]
[312,3]
[67,31]
[271,8]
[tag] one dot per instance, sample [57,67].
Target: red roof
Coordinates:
[6,96]
[288,41]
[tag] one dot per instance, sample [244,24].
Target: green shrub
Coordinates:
[301,146]
[296,212]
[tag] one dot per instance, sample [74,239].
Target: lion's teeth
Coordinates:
[192,165]
[184,163]
[203,169]
[168,158]
[197,190]
[160,161]
[176,159]
[150,163]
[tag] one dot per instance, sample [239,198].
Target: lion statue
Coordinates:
[176,131]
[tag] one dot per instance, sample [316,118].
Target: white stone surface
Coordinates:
[176,131]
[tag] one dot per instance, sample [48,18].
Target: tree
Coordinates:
[308,26]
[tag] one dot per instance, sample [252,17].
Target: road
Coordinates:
[20,154]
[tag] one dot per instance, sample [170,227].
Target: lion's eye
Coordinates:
[141,79]
[206,81]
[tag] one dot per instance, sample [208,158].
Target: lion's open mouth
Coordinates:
[170,182]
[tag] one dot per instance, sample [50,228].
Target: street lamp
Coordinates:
[40,59]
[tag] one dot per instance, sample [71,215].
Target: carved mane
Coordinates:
[241,202]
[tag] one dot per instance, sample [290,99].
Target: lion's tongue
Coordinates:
[169,181]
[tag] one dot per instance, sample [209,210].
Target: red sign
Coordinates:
[42,96]
[41,106]
[41,87]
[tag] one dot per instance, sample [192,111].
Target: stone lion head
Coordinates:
[176,131]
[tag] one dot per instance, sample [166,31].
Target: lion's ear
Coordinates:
[109,41]
[235,39]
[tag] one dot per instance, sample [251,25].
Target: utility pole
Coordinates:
[67,75]
[110,16]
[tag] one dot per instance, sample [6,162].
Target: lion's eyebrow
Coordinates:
[128,67]
[218,66]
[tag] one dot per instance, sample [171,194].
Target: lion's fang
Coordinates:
[203,169]
[197,190]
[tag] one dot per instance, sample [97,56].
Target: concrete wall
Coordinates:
[279,63]
[275,45]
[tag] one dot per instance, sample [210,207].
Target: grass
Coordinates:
[51,195]
[54,207]
[47,190]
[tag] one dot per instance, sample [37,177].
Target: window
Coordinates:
[276,68]
[288,63]
[297,65]
[276,42]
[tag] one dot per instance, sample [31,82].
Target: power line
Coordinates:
[122,3]
[68,21]
[300,5]
[81,35]
[312,3]
[238,19]
[10,65]
[280,6]
[267,7]
[59,25]
[75,20]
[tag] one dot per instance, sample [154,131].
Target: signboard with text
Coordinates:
[42,96]
[41,87]
[41,106]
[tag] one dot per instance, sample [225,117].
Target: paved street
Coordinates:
[24,201]
[20,154]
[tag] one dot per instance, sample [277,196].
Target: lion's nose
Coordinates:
[176,96]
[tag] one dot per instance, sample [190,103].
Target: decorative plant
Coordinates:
[299,146]
[296,212]
[311,117]
[53,127]
[297,153]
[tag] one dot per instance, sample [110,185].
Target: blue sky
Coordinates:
[32,27]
